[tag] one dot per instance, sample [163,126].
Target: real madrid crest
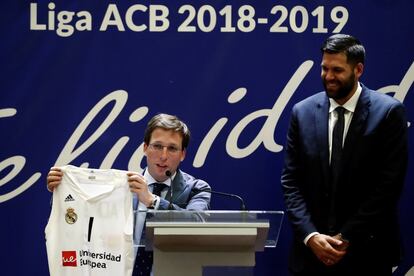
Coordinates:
[71,217]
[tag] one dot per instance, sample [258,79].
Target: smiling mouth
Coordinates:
[332,84]
[332,87]
[162,166]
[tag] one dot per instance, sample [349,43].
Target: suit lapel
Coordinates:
[177,187]
[357,124]
[321,125]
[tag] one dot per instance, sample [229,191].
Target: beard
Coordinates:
[343,89]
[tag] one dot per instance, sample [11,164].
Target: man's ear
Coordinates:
[359,69]
[145,149]
[183,153]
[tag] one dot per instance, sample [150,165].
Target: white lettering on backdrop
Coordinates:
[18,163]
[190,19]
[266,135]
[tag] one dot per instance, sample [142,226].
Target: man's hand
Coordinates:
[344,244]
[139,186]
[326,249]
[53,179]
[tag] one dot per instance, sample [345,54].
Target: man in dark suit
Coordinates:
[345,163]
[162,186]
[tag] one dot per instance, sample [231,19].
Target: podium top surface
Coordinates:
[267,221]
[216,216]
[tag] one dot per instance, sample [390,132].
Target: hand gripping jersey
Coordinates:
[90,227]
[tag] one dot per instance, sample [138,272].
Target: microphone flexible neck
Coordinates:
[243,206]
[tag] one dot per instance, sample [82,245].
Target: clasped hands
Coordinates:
[328,249]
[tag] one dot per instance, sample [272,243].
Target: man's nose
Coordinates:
[328,75]
[164,153]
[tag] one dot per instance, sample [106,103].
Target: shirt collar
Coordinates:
[350,105]
[150,180]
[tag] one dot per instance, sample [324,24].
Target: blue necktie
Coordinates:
[144,259]
[158,188]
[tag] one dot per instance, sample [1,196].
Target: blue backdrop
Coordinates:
[80,79]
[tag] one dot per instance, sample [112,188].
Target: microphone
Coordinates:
[207,190]
[168,174]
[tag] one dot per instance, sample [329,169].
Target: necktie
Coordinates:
[337,138]
[157,188]
[144,259]
[336,156]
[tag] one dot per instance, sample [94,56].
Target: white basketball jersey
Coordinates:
[90,227]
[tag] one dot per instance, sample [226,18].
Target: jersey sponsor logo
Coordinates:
[71,217]
[69,258]
[91,259]
[98,259]
[69,198]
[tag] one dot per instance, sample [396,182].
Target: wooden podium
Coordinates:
[185,242]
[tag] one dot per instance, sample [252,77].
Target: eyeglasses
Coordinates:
[160,148]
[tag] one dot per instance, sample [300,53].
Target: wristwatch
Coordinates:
[154,202]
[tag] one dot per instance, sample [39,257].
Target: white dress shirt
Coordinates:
[349,106]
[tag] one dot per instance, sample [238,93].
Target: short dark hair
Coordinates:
[167,122]
[343,43]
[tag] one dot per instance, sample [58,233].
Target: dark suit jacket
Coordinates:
[371,178]
[183,195]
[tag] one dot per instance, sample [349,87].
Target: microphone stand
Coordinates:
[168,174]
